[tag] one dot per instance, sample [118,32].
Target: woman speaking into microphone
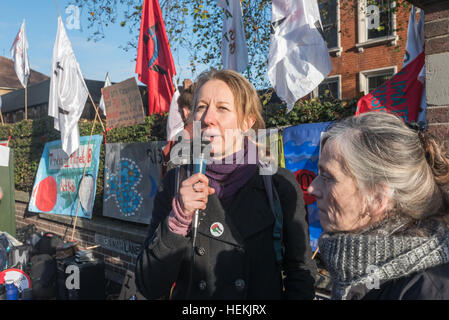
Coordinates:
[251,241]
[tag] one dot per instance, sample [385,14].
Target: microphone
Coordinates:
[199,165]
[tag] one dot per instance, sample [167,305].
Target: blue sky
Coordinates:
[95,58]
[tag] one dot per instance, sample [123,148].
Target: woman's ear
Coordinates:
[248,123]
[186,113]
[381,202]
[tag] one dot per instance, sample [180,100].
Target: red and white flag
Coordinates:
[155,65]
[19,53]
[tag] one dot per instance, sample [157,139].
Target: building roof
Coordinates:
[38,94]
[8,77]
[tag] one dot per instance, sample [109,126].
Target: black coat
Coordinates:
[239,264]
[430,284]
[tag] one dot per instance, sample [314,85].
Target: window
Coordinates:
[376,23]
[329,20]
[379,18]
[376,81]
[371,79]
[329,88]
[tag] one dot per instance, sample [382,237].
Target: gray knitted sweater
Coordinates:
[385,251]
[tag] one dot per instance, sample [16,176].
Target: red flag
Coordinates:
[155,65]
[400,95]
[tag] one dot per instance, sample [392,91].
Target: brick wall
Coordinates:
[381,55]
[119,241]
[437,68]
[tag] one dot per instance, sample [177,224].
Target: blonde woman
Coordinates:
[382,204]
[234,256]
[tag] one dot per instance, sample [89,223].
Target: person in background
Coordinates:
[178,121]
[234,255]
[185,100]
[382,203]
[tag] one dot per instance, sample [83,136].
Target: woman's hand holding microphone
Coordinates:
[194,193]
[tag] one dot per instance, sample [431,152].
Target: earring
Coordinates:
[368,214]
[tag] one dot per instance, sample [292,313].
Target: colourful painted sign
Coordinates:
[60,187]
[301,152]
[132,174]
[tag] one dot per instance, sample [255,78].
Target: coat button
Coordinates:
[202,285]
[239,284]
[200,251]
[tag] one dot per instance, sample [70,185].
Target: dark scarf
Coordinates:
[228,179]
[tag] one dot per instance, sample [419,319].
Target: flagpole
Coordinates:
[96,111]
[1,116]
[84,170]
[26,102]
[88,144]
[82,177]
[57,7]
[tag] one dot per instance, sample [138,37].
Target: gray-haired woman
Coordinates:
[382,206]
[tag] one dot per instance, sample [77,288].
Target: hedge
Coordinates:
[28,137]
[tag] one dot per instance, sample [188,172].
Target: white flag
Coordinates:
[175,124]
[299,59]
[234,52]
[107,83]
[68,91]
[414,46]
[415,37]
[19,53]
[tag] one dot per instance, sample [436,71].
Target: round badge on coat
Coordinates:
[216,229]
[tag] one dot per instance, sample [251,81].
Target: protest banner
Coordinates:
[132,174]
[301,153]
[60,183]
[123,104]
[400,95]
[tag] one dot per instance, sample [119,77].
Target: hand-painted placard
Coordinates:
[301,152]
[123,104]
[60,187]
[132,173]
